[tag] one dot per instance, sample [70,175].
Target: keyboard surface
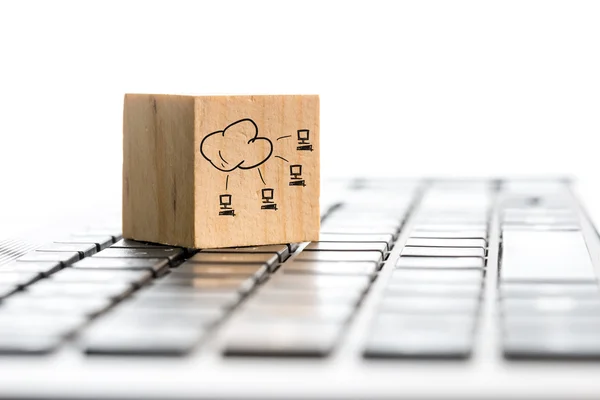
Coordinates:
[481,272]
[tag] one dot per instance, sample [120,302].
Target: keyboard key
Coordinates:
[115,290]
[256,270]
[359,231]
[552,345]
[45,268]
[64,257]
[158,341]
[84,249]
[281,250]
[347,246]
[341,256]
[538,324]
[240,284]
[74,275]
[337,313]
[114,234]
[28,344]
[405,343]
[465,234]
[330,268]
[269,259]
[449,227]
[384,225]
[434,289]
[463,324]
[440,262]
[455,276]
[132,316]
[172,254]
[319,282]
[54,305]
[164,292]
[443,252]
[526,257]
[19,279]
[330,237]
[134,244]
[282,340]
[158,266]
[196,300]
[530,290]
[33,323]
[453,243]
[566,305]
[100,241]
[273,295]
[435,305]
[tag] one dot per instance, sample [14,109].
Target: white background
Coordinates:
[407,88]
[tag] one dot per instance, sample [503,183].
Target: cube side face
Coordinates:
[257,171]
[158,169]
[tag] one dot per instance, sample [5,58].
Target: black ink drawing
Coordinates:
[225,203]
[303,140]
[267,199]
[236,146]
[239,146]
[296,175]
[261,177]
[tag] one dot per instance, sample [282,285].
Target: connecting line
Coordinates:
[261,177]
[282,158]
[226,182]
[283,137]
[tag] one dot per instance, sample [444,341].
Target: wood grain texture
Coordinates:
[158,159]
[202,148]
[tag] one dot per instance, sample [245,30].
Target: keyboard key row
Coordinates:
[430,305]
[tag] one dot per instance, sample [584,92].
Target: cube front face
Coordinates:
[257,170]
[221,171]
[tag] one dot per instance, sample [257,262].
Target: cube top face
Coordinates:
[221,171]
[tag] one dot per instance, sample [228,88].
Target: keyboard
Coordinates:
[432,260]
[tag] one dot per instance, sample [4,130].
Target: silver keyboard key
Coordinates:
[270,259]
[443,252]
[158,266]
[170,253]
[345,256]
[64,257]
[330,268]
[440,262]
[282,250]
[532,256]
[347,246]
[456,276]
[454,243]
[84,249]
[282,340]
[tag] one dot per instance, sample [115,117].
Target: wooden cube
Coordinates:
[221,171]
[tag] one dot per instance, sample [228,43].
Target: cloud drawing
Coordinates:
[236,146]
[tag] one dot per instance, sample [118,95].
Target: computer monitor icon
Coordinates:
[296,171]
[296,175]
[225,203]
[303,136]
[267,199]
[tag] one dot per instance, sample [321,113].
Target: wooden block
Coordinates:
[221,171]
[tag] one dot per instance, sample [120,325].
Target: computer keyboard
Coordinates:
[426,243]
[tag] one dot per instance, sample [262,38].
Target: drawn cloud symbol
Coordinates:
[236,146]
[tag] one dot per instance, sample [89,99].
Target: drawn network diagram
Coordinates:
[239,146]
